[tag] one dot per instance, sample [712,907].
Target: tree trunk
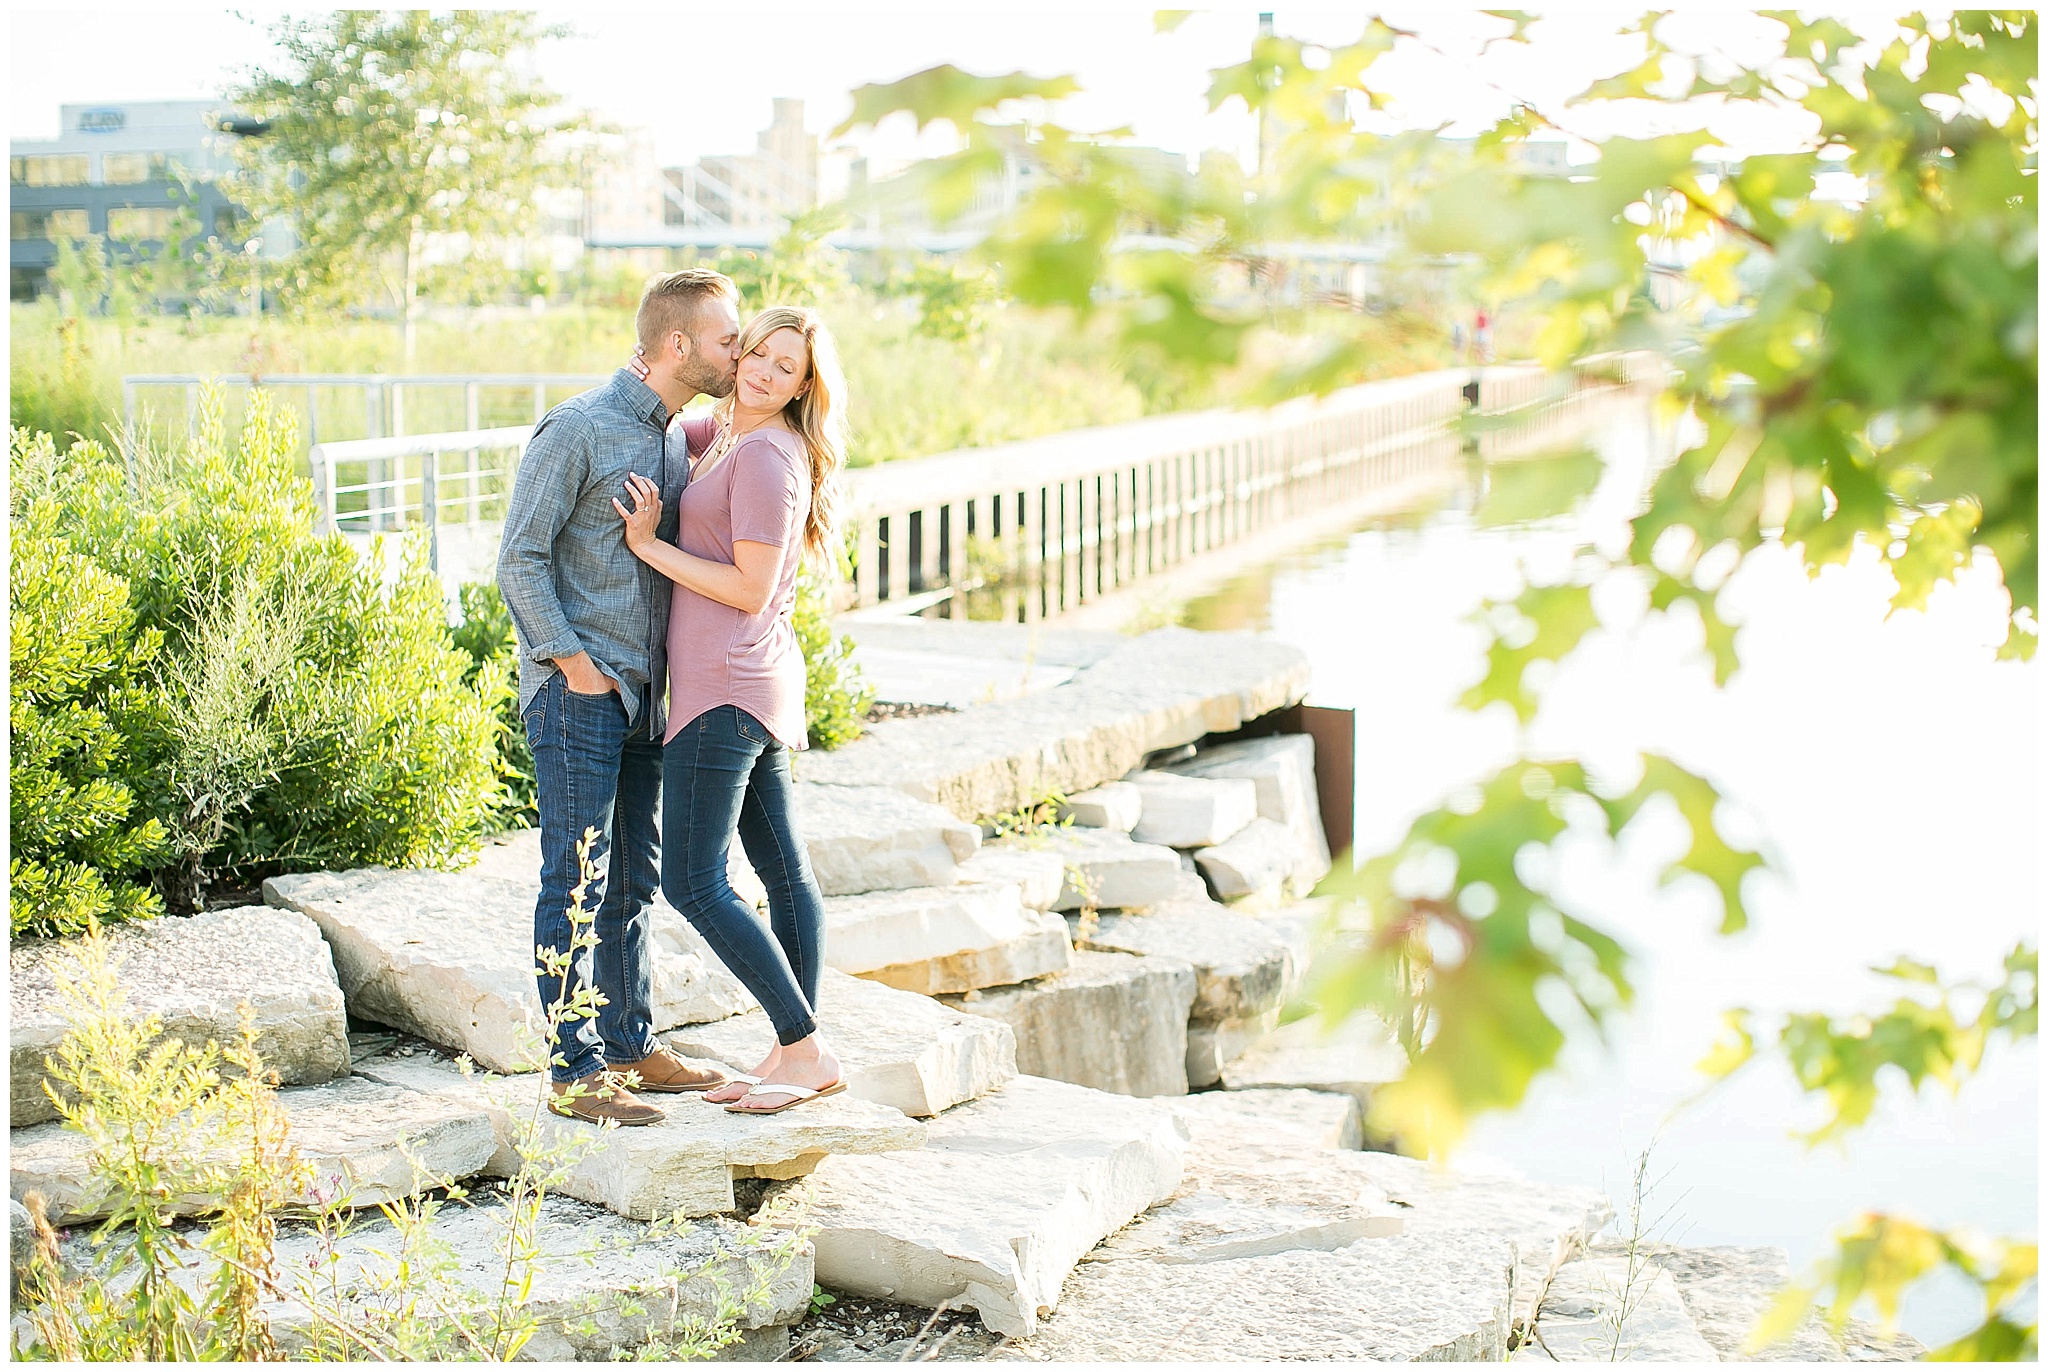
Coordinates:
[413,245]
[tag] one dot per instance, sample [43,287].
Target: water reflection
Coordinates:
[1891,766]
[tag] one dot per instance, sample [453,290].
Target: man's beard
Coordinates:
[703,378]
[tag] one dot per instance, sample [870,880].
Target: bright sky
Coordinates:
[702,77]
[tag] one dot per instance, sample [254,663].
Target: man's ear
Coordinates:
[680,341]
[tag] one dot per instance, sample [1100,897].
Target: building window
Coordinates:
[137,224]
[27,225]
[227,224]
[133,168]
[26,283]
[69,170]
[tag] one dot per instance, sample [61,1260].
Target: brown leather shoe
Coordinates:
[603,1098]
[668,1071]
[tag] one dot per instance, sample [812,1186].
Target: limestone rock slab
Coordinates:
[1034,867]
[449,956]
[1107,870]
[1359,1055]
[1283,769]
[1548,1225]
[1255,861]
[1213,1043]
[1157,690]
[684,1164]
[905,1051]
[876,838]
[1007,1195]
[879,929]
[1191,812]
[1595,1310]
[1110,1021]
[367,1143]
[606,1285]
[514,855]
[1437,1297]
[1241,967]
[1112,805]
[1727,1289]
[1316,1119]
[193,974]
[1044,949]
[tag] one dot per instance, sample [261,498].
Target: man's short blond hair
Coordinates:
[671,303]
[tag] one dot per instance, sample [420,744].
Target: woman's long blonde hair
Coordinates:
[818,414]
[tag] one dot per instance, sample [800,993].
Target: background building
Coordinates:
[122,171]
[758,190]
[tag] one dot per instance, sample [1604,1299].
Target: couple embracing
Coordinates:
[650,565]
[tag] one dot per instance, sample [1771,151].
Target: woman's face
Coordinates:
[773,374]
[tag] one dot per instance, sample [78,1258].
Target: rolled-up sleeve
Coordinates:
[551,476]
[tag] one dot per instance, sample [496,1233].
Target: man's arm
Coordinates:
[551,475]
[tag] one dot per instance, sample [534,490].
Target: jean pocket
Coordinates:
[749,728]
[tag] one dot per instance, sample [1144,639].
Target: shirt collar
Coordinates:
[639,398]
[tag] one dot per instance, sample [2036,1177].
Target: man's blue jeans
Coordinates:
[724,772]
[592,772]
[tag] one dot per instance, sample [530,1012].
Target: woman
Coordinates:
[760,499]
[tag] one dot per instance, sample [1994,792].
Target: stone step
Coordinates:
[1317,1119]
[1214,1044]
[1253,864]
[1106,870]
[1005,1198]
[901,1050]
[367,1142]
[1034,866]
[884,929]
[1044,949]
[1157,690]
[602,1288]
[1191,812]
[686,1163]
[514,855]
[449,956]
[1283,769]
[1112,805]
[1547,1225]
[1358,1056]
[1241,967]
[1606,1309]
[876,838]
[858,838]
[1726,1290]
[195,975]
[1411,1298]
[1110,1021]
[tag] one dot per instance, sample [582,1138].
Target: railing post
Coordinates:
[323,487]
[867,561]
[540,401]
[954,525]
[430,504]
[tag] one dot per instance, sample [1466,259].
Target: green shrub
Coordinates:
[298,714]
[486,634]
[75,655]
[836,695]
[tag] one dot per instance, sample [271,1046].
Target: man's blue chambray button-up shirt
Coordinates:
[564,568]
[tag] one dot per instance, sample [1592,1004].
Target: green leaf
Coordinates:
[946,93]
[1553,620]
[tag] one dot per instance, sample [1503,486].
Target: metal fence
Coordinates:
[1061,519]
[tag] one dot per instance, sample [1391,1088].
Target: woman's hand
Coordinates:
[645,514]
[637,363]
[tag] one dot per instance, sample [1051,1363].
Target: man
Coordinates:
[592,623]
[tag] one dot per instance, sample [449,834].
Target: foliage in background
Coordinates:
[386,126]
[278,709]
[836,694]
[485,632]
[1866,385]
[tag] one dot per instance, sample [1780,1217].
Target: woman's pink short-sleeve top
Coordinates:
[760,492]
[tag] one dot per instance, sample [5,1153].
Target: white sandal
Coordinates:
[797,1096]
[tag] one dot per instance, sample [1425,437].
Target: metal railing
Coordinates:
[334,405]
[1077,513]
[436,482]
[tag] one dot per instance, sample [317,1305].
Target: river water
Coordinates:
[1890,765]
